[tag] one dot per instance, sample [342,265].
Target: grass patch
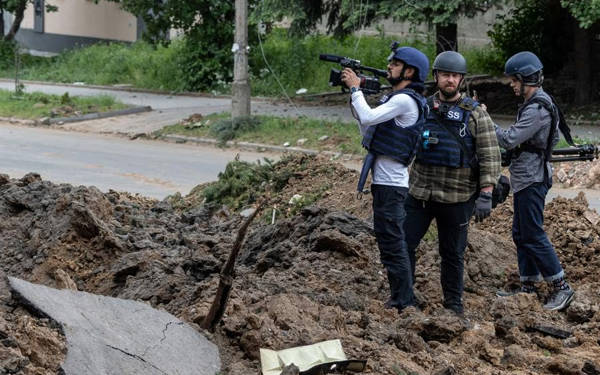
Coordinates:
[295,61]
[484,60]
[36,105]
[580,141]
[342,137]
[199,128]
[139,64]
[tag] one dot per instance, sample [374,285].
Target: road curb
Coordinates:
[135,90]
[256,146]
[99,115]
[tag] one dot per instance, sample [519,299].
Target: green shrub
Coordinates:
[227,129]
[202,63]
[7,54]
[532,25]
[295,61]
[484,60]
[240,183]
[139,64]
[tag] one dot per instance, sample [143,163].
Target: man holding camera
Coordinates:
[390,133]
[455,169]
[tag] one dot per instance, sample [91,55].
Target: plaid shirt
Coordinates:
[453,185]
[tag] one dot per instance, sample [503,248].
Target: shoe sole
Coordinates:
[504,295]
[565,304]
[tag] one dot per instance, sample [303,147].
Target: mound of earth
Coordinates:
[311,274]
[583,174]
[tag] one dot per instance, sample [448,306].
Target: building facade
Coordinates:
[76,23]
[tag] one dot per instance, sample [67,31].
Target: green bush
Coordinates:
[295,61]
[227,129]
[484,60]
[7,54]
[202,63]
[139,64]
[240,183]
[532,25]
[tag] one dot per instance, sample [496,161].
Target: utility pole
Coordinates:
[240,100]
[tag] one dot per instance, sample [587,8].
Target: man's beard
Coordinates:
[447,93]
[394,80]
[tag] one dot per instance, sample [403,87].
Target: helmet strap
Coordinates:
[394,81]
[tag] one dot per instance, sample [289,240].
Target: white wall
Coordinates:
[104,20]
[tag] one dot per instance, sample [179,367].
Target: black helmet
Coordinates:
[450,61]
[526,67]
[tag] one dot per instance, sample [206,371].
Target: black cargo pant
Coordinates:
[388,222]
[452,221]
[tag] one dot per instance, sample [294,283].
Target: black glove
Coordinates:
[483,206]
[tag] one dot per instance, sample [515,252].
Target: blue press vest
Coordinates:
[395,141]
[448,151]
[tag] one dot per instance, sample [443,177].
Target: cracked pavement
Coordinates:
[108,335]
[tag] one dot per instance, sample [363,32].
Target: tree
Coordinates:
[208,27]
[586,15]
[346,16]
[585,12]
[562,39]
[441,14]
[343,16]
[17,7]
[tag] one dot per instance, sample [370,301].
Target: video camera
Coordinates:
[368,84]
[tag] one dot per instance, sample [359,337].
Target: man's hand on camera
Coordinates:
[350,78]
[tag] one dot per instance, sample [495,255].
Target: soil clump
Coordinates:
[309,271]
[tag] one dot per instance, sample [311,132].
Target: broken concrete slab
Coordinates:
[108,335]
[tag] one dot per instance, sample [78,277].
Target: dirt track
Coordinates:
[312,275]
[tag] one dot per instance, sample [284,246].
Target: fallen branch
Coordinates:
[219,304]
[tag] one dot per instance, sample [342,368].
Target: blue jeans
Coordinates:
[535,253]
[452,223]
[388,222]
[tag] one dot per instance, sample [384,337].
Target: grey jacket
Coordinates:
[532,127]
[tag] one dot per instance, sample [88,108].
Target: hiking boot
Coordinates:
[460,314]
[560,299]
[526,287]
[388,305]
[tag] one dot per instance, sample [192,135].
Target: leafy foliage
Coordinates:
[295,60]
[531,24]
[241,183]
[7,54]
[208,25]
[343,16]
[11,6]
[521,26]
[227,129]
[346,16]
[434,11]
[585,12]
[140,64]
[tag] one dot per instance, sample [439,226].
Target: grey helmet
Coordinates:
[526,67]
[450,61]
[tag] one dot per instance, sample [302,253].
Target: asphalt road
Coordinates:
[153,169]
[169,109]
